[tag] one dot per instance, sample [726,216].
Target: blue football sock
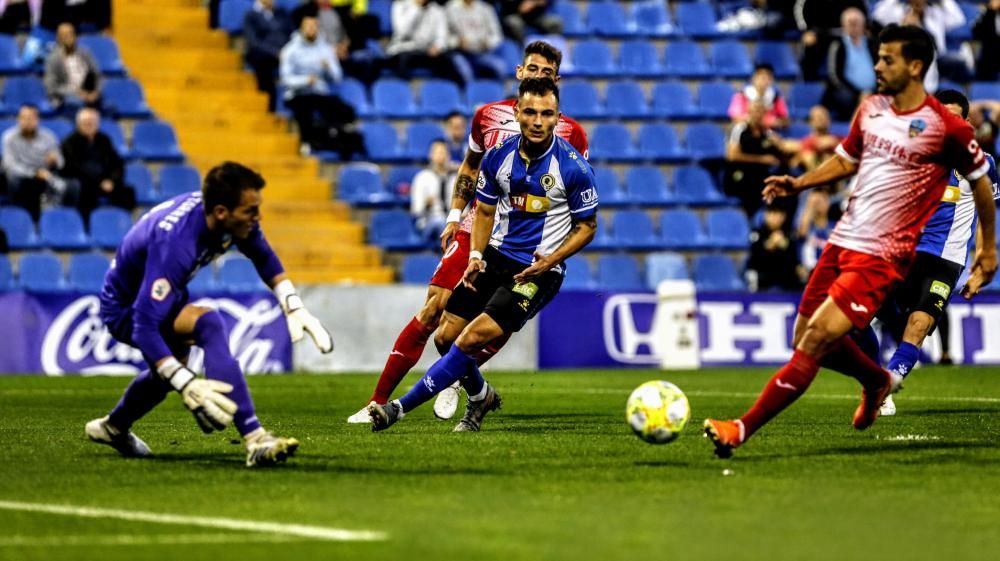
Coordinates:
[867,341]
[144,393]
[212,336]
[454,365]
[904,358]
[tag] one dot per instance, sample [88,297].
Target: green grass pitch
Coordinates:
[555,475]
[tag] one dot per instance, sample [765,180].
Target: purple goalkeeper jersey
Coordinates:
[159,256]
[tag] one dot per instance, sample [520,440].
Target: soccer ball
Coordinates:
[657,411]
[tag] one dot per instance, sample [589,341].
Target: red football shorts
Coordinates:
[453,263]
[857,282]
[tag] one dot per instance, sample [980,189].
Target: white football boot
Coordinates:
[888,408]
[361,417]
[446,403]
[127,444]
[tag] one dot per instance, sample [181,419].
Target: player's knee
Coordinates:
[443,341]
[471,340]
[430,314]
[210,325]
[919,324]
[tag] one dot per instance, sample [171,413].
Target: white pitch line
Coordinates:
[701,393]
[139,539]
[276,528]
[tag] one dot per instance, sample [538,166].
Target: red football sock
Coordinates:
[491,349]
[784,388]
[405,353]
[848,358]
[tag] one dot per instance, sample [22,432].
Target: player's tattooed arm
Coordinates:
[465,188]
[464,192]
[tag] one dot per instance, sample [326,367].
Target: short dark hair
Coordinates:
[763,66]
[454,114]
[224,185]
[917,43]
[538,86]
[31,106]
[546,51]
[949,97]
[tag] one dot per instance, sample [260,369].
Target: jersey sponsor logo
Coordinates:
[941,289]
[526,289]
[951,194]
[917,126]
[160,290]
[588,196]
[547,181]
[530,203]
[874,115]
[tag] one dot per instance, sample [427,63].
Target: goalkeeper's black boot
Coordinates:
[476,410]
[384,416]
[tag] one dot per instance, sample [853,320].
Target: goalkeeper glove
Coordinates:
[300,321]
[204,398]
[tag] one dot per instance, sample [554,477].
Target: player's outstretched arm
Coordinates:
[465,191]
[984,265]
[580,235]
[830,171]
[300,321]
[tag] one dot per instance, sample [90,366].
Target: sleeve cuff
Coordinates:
[842,152]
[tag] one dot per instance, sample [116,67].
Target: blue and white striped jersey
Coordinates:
[951,230]
[536,200]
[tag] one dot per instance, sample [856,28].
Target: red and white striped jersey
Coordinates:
[905,159]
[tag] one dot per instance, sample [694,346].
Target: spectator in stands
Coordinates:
[361,26]
[987,31]
[456,130]
[937,17]
[72,77]
[357,63]
[420,40]
[850,65]
[819,145]
[18,14]
[815,225]
[95,13]
[753,152]
[430,192]
[773,263]
[91,159]
[474,34]
[31,158]
[266,30]
[982,116]
[817,20]
[309,74]
[760,89]
[519,16]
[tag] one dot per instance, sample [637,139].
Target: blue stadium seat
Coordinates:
[9,56]
[231,14]
[626,100]
[117,135]
[19,227]
[383,10]
[730,59]
[59,127]
[609,188]
[602,239]
[612,142]
[41,272]
[802,97]
[238,275]
[607,19]
[381,141]
[658,142]
[984,90]
[665,265]
[716,273]
[693,185]
[418,269]
[685,59]
[705,141]
[672,100]
[592,57]
[155,140]
[62,228]
[203,281]
[6,274]
[139,177]
[392,97]
[639,58]
[579,100]
[360,184]
[652,19]
[697,19]
[399,179]
[393,230]
[727,228]
[123,98]
[356,95]
[21,90]
[86,272]
[646,186]
[512,54]
[714,99]
[779,55]
[481,92]
[634,230]
[572,21]
[618,272]
[105,52]
[108,226]
[178,179]
[797,130]
[681,229]
[419,136]
[579,275]
[964,32]
[440,97]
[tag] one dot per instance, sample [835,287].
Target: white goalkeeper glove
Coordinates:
[300,321]
[204,398]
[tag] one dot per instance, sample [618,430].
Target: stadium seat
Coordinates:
[618,272]
[360,184]
[705,141]
[418,269]
[381,141]
[607,19]
[231,14]
[779,55]
[393,230]
[398,181]
[155,140]
[672,100]
[481,92]
[579,275]
[727,228]
[665,265]
[797,130]
[86,272]
[609,188]
[138,176]
[9,56]
[639,58]
[572,21]
[203,281]
[6,274]
[105,52]
[652,19]
[117,135]
[356,95]
[392,97]
[612,142]
[592,57]
[108,226]
[419,137]
[383,10]
[579,100]
[238,275]
[979,91]
[41,272]
[62,228]
[178,179]
[681,229]
[697,19]
[714,99]
[716,273]
[634,230]
[730,59]
[123,98]
[512,54]
[19,227]
[440,97]
[602,239]
[59,127]
[626,100]
[21,90]
[802,97]
[646,186]
[685,59]
[658,142]
[693,185]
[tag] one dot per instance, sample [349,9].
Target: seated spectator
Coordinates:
[817,20]
[475,34]
[456,130]
[850,66]
[986,30]
[819,145]
[31,158]
[982,117]
[753,152]
[18,14]
[420,40]
[815,225]
[72,77]
[773,263]
[361,26]
[430,192]
[518,16]
[309,72]
[357,63]
[266,30]
[91,159]
[761,89]
[937,17]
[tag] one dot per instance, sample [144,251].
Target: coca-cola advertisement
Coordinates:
[57,334]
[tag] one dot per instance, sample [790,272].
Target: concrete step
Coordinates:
[346,275]
[320,257]
[305,235]
[308,211]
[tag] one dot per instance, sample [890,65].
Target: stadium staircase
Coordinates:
[195,81]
